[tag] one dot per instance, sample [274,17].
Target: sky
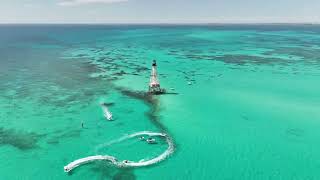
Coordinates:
[160,11]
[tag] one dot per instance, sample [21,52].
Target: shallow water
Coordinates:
[251,111]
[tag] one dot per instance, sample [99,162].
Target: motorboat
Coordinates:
[151,141]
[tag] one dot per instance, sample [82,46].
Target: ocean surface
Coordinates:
[244,101]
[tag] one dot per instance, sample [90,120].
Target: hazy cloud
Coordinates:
[81,2]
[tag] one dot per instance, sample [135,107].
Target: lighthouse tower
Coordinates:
[154,85]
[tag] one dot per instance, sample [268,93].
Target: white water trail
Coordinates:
[129,163]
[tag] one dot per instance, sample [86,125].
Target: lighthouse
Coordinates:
[154,85]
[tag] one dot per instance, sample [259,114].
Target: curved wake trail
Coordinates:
[128,163]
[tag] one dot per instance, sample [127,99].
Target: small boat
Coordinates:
[151,141]
[189,83]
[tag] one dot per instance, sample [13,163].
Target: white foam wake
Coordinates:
[128,163]
[106,113]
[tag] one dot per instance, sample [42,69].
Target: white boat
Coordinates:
[151,141]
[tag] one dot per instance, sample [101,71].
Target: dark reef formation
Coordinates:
[19,139]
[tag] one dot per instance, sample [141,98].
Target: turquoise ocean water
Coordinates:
[250,113]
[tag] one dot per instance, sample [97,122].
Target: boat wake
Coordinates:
[106,113]
[126,163]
